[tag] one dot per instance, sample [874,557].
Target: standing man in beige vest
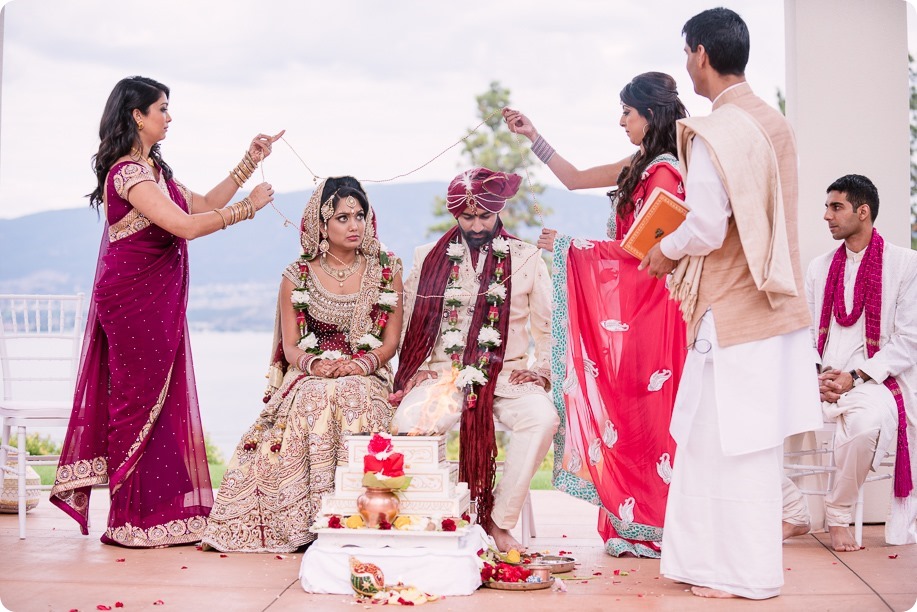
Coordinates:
[748,379]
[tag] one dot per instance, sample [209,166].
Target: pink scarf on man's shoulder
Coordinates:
[867,296]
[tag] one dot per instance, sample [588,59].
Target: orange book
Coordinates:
[660,216]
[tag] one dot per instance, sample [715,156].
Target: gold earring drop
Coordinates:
[140,126]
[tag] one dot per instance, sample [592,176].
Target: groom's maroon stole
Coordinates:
[477,439]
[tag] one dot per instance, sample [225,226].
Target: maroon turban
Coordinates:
[481,187]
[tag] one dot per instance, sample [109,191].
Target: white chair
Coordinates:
[825,468]
[527,516]
[39,354]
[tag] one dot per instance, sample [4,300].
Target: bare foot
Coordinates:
[842,539]
[504,539]
[790,530]
[713,593]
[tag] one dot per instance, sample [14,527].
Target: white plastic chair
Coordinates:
[827,468]
[527,516]
[40,337]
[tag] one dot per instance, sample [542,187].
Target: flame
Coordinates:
[428,415]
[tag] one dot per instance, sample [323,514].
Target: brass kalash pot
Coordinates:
[376,505]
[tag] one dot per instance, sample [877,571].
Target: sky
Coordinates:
[372,89]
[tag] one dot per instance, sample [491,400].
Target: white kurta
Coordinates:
[733,410]
[897,356]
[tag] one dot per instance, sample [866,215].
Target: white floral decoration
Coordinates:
[453,340]
[299,297]
[489,336]
[369,340]
[389,299]
[497,290]
[307,342]
[455,250]
[500,246]
[583,244]
[331,355]
[470,375]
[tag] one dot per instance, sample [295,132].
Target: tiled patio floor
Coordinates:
[56,568]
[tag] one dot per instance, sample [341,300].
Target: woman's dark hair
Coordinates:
[724,36]
[343,186]
[655,97]
[118,131]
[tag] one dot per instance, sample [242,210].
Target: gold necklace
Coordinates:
[340,274]
[135,152]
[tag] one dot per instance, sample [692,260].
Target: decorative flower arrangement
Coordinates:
[383,468]
[500,567]
[472,376]
[401,523]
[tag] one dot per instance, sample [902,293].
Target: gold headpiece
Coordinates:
[328,207]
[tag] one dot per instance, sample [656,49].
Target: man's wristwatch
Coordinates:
[857,379]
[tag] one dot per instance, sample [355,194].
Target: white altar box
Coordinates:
[434,490]
[325,568]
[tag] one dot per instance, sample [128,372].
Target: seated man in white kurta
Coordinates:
[474,302]
[863,295]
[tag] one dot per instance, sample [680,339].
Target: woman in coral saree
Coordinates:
[619,339]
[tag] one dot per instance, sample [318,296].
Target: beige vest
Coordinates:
[742,312]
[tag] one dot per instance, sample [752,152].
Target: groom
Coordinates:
[474,302]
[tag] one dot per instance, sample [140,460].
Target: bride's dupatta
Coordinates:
[135,422]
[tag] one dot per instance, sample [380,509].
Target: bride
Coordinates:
[338,325]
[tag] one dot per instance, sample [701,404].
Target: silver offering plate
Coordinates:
[519,586]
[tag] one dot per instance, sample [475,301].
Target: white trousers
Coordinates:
[867,422]
[722,527]
[531,419]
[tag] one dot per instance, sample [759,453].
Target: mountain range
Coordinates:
[235,274]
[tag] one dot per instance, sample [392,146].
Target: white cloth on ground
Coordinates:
[449,572]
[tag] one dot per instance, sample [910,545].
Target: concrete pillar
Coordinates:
[847,97]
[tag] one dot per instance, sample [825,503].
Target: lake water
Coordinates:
[230,369]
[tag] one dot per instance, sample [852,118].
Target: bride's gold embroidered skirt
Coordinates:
[284,464]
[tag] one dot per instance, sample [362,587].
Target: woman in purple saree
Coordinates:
[135,422]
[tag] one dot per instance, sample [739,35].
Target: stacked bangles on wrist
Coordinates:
[244,170]
[368,362]
[305,362]
[240,211]
[542,149]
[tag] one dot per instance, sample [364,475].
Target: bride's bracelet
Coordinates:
[244,170]
[368,362]
[305,360]
[542,149]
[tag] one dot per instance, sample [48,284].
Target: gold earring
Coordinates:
[140,126]
[323,247]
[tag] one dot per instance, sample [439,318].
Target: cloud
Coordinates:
[367,88]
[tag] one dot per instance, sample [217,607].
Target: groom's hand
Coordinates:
[518,377]
[418,378]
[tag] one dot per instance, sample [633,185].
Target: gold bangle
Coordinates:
[235,178]
[222,218]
